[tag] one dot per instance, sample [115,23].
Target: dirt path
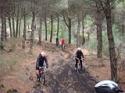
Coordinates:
[23,76]
[61,77]
[64,79]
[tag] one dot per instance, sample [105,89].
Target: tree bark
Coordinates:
[46,31]
[40,31]
[2,31]
[32,32]
[51,35]
[24,31]
[112,52]
[17,22]
[123,29]
[69,30]
[68,24]
[4,27]
[78,32]
[83,26]
[19,26]
[88,36]
[57,34]
[99,33]
[123,18]
[13,23]
[10,26]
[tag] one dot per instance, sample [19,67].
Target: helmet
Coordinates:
[107,86]
[43,53]
[79,48]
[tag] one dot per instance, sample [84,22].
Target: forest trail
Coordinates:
[61,77]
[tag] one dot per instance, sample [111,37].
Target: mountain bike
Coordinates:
[78,67]
[41,75]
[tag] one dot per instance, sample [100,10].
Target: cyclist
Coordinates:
[41,61]
[62,43]
[107,86]
[79,57]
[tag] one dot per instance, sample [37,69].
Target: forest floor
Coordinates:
[60,76]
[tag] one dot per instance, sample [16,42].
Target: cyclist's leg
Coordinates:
[44,79]
[76,65]
[81,66]
[37,74]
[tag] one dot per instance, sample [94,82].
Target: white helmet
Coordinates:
[43,53]
[79,48]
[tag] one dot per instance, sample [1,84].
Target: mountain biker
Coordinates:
[62,43]
[107,86]
[79,57]
[41,61]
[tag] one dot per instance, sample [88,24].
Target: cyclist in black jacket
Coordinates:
[41,61]
[79,58]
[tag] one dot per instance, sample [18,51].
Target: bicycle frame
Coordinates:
[41,76]
[79,65]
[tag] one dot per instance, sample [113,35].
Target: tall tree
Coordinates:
[3,29]
[10,26]
[24,30]
[40,31]
[68,21]
[17,21]
[33,26]
[46,30]
[78,31]
[58,21]
[51,35]
[98,22]
[3,10]
[83,26]
[107,8]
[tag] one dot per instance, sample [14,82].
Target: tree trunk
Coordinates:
[123,18]
[69,27]
[45,27]
[24,31]
[40,31]
[57,34]
[32,32]
[10,26]
[51,35]
[4,27]
[68,24]
[13,22]
[112,53]
[2,31]
[88,36]
[78,33]
[123,29]
[99,33]
[19,26]
[17,22]
[83,25]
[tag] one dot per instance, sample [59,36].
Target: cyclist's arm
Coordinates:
[82,54]
[37,64]
[46,62]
